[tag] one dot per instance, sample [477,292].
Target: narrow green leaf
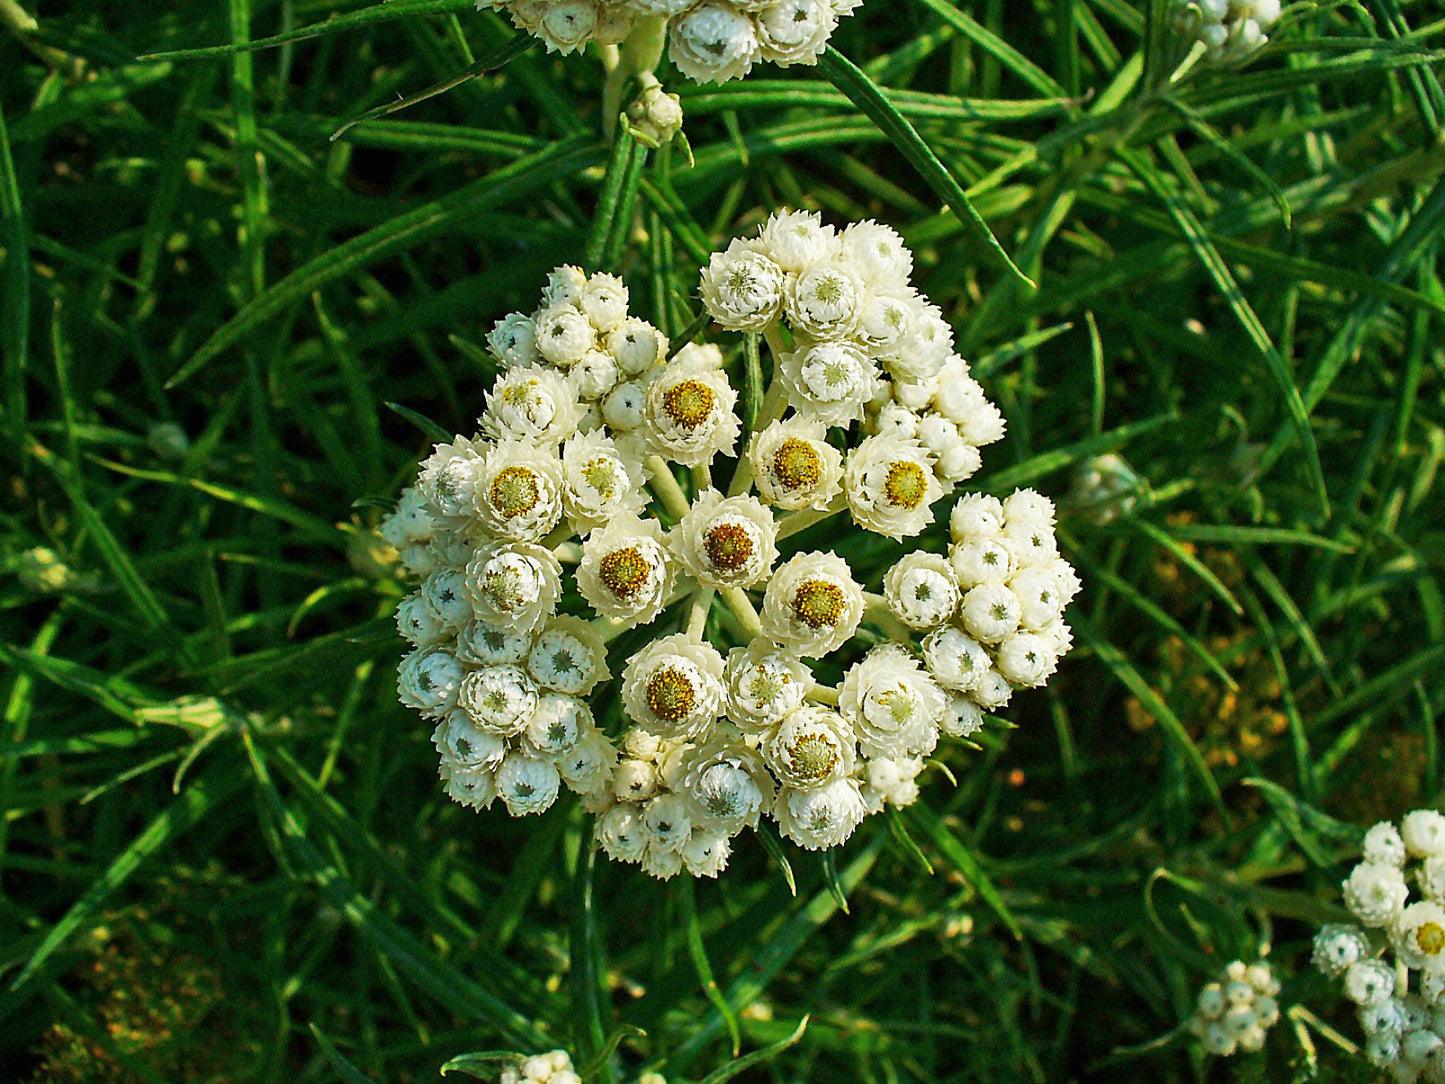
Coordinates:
[996,47]
[830,878]
[774,847]
[962,859]
[624,148]
[1119,664]
[376,13]
[698,951]
[1219,271]
[432,430]
[14,293]
[868,97]
[349,1073]
[516,180]
[1307,825]
[481,1063]
[757,1057]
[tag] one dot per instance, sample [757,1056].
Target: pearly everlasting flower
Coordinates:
[428,680]
[603,300]
[689,413]
[726,542]
[513,341]
[877,255]
[620,833]
[890,486]
[982,560]
[636,345]
[893,703]
[1423,833]
[890,782]
[976,515]
[564,335]
[533,404]
[1418,936]
[727,782]
[500,699]
[416,621]
[812,604]
[823,301]
[1026,659]
[922,590]
[527,784]
[518,491]
[568,656]
[513,585]
[448,478]
[626,573]
[830,382]
[599,482]
[793,466]
[797,240]
[764,683]
[795,31]
[811,746]
[463,744]
[990,612]
[962,717]
[673,687]
[1384,844]
[1338,945]
[821,817]
[484,644]
[742,288]
[1368,982]
[1375,893]
[1230,32]
[1234,1012]
[713,42]
[706,853]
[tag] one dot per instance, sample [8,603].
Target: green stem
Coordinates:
[742,610]
[697,616]
[824,694]
[665,488]
[801,520]
[639,54]
[881,614]
[774,404]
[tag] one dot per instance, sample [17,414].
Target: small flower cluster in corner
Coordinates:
[585,507]
[710,41]
[1392,965]
[1234,1012]
[1231,31]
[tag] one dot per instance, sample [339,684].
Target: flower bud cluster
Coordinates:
[992,610]
[553,1067]
[710,41]
[1234,1012]
[1392,965]
[1231,30]
[569,490]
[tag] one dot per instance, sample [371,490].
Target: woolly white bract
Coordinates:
[584,508]
[1234,1012]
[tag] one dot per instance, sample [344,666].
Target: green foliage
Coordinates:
[1232,280]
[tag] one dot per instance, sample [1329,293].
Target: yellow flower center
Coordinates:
[729,547]
[812,757]
[818,603]
[515,491]
[601,475]
[1430,938]
[906,485]
[670,695]
[689,403]
[797,464]
[624,571]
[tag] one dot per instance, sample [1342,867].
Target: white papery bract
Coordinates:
[586,507]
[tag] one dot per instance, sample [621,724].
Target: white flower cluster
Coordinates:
[1392,965]
[1231,30]
[572,475]
[862,346]
[710,41]
[992,610]
[553,1067]
[1234,1012]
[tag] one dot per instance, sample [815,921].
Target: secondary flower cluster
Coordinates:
[1393,968]
[573,476]
[1231,30]
[710,41]
[554,1067]
[1234,1012]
